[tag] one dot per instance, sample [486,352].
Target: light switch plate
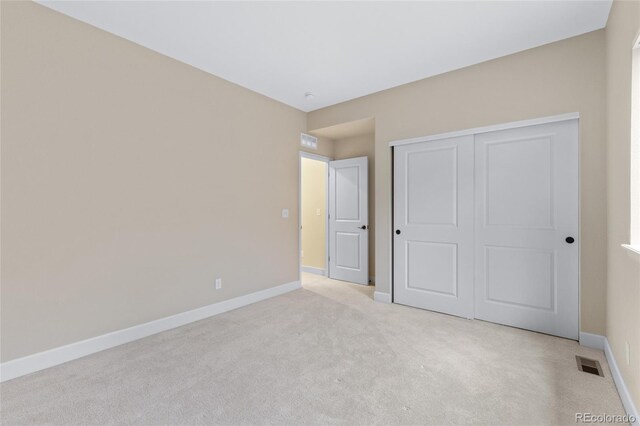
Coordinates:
[285,213]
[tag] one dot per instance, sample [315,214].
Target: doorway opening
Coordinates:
[314,183]
[338,186]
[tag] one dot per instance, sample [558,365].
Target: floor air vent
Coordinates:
[590,366]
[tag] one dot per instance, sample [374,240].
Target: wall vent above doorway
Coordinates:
[590,366]
[308,141]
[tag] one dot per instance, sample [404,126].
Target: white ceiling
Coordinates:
[336,50]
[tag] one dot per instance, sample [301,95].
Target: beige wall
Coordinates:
[567,76]
[623,283]
[130,181]
[314,212]
[362,146]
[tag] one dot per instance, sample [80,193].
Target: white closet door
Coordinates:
[433,234]
[526,218]
[349,220]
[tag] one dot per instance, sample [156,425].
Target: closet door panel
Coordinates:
[526,209]
[433,233]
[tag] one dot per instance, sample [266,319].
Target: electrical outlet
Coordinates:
[628,351]
[285,213]
[317,212]
[218,283]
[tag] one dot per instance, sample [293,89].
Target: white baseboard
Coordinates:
[623,391]
[39,361]
[597,341]
[594,341]
[381,297]
[312,270]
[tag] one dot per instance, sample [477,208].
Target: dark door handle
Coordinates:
[397,232]
[363,227]
[569,240]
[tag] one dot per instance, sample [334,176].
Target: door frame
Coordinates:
[312,156]
[486,129]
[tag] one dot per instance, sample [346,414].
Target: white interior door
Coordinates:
[348,220]
[526,218]
[433,240]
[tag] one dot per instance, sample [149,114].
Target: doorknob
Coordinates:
[363,227]
[569,240]
[397,232]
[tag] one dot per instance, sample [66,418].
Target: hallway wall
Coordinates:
[314,213]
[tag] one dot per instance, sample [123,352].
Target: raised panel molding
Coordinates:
[348,250]
[347,194]
[434,269]
[510,281]
[519,188]
[432,186]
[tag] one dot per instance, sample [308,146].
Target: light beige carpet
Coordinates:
[321,355]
